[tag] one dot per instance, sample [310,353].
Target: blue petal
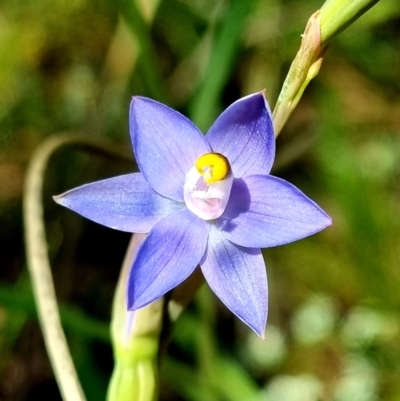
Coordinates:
[126,203]
[244,133]
[166,145]
[266,211]
[168,256]
[238,277]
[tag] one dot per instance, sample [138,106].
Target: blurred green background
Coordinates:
[334,324]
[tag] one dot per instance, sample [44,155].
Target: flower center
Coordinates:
[213,167]
[208,186]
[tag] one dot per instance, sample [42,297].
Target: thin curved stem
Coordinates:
[38,259]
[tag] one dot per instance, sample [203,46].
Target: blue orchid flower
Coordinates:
[203,200]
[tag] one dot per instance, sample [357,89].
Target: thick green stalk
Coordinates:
[304,67]
[337,15]
[323,25]
[135,337]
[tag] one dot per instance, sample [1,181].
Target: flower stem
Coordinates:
[323,25]
[305,66]
[337,15]
[135,338]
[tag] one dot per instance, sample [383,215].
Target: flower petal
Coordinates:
[238,277]
[126,203]
[244,133]
[169,254]
[166,145]
[266,211]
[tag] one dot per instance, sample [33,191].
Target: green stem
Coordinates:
[337,15]
[323,25]
[304,67]
[135,338]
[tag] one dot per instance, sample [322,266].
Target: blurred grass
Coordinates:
[225,45]
[20,301]
[75,65]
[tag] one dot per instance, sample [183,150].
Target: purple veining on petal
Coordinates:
[266,211]
[244,134]
[168,255]
[166,145]
[238,277]
[125,203]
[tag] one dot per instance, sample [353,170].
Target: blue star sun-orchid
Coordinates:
[203,200]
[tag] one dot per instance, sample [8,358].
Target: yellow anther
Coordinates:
[213,167]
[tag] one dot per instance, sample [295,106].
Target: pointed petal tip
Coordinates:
[320,224]
[134,101]
[260,331]
[255,321]
[329,221]
[134,304]
[60,199]
[138,98]
[263,94]
[325,220]
[141,102]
